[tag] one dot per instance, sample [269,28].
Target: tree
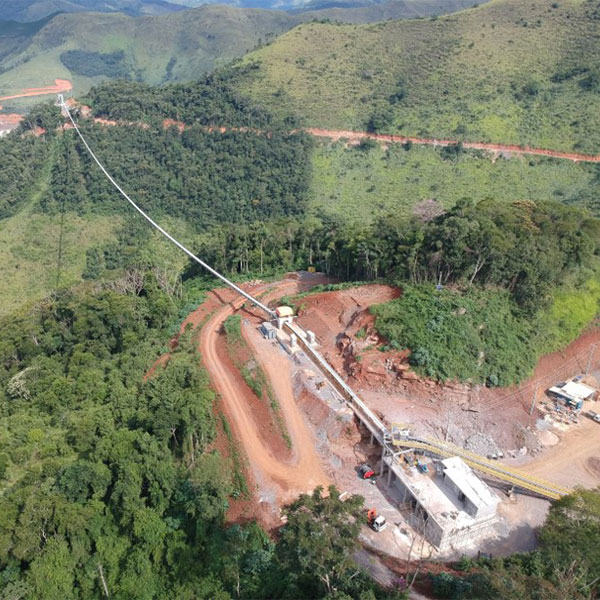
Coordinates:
[318,540]
[570,538]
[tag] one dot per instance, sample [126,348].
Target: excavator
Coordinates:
[376,522]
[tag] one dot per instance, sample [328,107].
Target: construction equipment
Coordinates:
[366,471]
[422,466]
[376,522]
[400,431]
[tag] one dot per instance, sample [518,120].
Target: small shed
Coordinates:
[573,393]
[284,311]
[269,332]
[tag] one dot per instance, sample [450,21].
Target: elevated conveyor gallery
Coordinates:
[363,413]
[516,478]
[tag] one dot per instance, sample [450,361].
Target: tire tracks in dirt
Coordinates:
[304,472]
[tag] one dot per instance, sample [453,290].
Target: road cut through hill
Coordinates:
[303,472]
[60,86]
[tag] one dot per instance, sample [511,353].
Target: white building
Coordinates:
[451,507]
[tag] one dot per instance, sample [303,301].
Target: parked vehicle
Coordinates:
[366,471]
[376,522]
[593,415]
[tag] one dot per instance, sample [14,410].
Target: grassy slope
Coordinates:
[29,246]
[32,10]
[395,9]
[362,184]
[199,40]
[462,74]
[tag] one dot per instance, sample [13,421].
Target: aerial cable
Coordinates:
[62,104]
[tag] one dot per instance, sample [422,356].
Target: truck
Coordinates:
[593,415]
[376,522]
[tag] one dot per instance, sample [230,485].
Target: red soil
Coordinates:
[387,384]
[357,136]
[278,474]
[9,121]
[60,85]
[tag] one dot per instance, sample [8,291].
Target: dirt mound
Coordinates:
[333,315]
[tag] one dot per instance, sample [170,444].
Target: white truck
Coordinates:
[593,415]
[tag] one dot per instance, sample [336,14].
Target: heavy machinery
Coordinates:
[376,522]
[365,471]
[422,466]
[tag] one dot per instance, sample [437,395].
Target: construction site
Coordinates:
[446,468]
[449,471]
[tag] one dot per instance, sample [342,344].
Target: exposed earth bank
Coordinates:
[485,420]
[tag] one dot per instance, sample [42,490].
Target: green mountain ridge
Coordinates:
[510,71]
[33,10]
[179,46]
[88,48]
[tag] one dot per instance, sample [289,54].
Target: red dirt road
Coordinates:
[357,136]
[304,471]
[60,85]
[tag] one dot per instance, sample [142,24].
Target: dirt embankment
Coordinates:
[484,420]
[276,472]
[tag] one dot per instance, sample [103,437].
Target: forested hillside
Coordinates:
[109,483]
[509,71]
[89,48]
[116,484]
[254,198]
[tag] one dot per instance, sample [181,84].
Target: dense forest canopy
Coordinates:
[245,195]
[109,482]
[209,101]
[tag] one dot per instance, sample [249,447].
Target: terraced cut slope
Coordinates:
[519,72]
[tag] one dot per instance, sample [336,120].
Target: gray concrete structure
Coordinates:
[450,506]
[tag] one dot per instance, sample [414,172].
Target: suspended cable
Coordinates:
[154,224]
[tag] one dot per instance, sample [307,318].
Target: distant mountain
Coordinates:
[34,10]
[88,48]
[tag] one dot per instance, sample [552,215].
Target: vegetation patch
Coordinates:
[253,375]
[359,186]
[240,486]
[466,336]
[94,64]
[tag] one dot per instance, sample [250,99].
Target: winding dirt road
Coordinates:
[304,472]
